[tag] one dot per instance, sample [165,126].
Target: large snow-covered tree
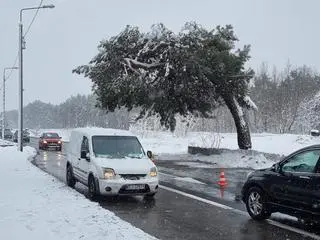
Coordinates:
[164,73]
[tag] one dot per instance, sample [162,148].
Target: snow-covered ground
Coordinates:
[282,144]
[168,146]
[6,143]
[34,205]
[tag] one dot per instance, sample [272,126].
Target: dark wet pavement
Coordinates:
[207,174]
[174,216]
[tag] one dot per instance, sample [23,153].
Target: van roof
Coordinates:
[95,131]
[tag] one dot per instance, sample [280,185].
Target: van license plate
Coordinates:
[135,187]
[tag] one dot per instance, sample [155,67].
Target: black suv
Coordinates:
[291,186]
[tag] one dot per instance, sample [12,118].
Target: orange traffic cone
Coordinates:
[222,182]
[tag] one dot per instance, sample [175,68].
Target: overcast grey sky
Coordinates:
[67,36]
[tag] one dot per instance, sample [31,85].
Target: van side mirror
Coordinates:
[149,154]
[85,155]
[88,157]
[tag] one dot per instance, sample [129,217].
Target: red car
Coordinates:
[50,140]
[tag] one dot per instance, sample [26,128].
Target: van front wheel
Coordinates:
[71,181]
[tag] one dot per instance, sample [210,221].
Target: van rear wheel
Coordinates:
[71,181]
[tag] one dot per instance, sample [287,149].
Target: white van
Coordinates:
[110,162]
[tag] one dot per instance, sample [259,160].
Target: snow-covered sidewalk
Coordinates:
[34,205]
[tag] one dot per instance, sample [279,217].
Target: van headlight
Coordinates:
[108,173]
[153,172]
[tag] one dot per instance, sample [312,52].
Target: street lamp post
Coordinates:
[21,48]
[4,98]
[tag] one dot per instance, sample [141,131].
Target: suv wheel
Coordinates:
[71,181]
[150,195]
[256,205]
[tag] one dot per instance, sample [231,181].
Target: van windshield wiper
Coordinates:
[134,156]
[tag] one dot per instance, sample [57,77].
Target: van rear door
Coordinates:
[74,153]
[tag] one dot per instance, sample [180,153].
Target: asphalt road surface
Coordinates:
[186,209]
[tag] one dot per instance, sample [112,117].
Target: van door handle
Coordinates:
[304,177]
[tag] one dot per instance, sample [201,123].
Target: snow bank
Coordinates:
[188,179]
[4,143]
[227,159]
[37,206]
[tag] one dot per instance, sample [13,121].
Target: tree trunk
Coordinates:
[243,131]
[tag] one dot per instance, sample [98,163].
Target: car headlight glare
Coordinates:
[44,141]
[59,142]
[153,172]
[108,173]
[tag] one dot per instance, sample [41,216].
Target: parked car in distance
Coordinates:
[110,162]
[8,135]
[315,133]
[50,140]
[291,186]
[25,136]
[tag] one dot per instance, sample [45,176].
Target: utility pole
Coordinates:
[21,48]
[3,102]
[20,107]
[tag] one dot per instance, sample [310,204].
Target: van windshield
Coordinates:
[117,147]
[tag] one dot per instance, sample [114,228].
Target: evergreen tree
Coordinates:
[192,72]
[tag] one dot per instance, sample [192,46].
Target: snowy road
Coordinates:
[175,216]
